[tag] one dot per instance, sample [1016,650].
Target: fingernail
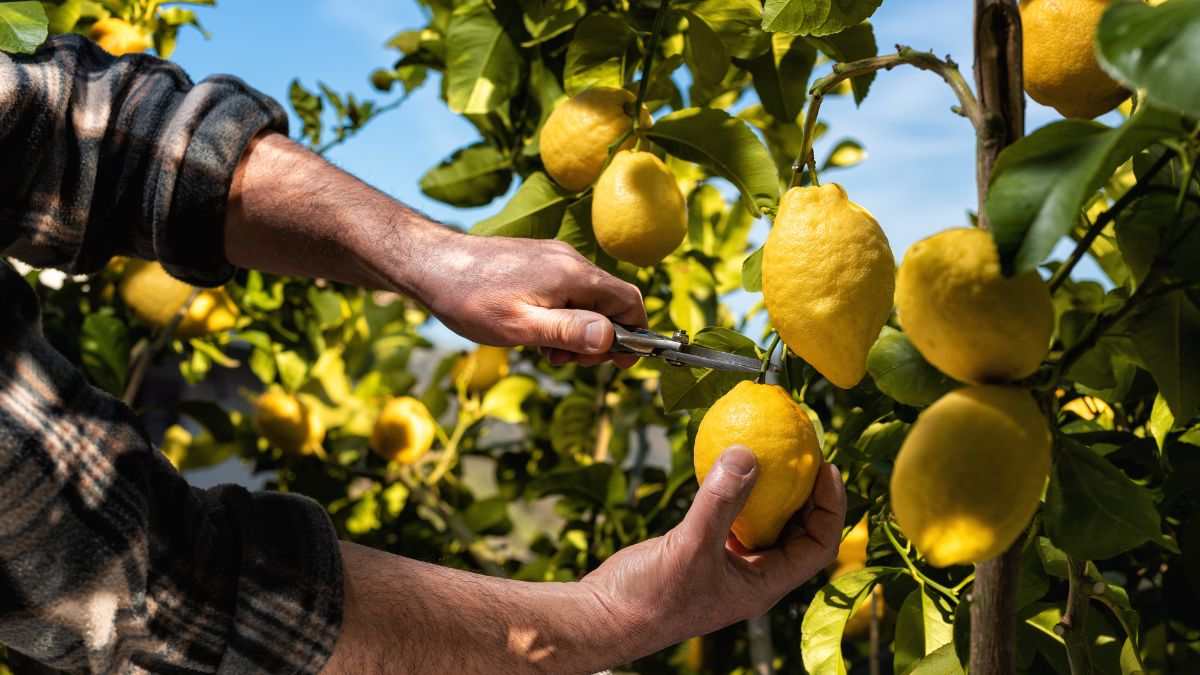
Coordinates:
[738,461]
[594,337]
[837,473]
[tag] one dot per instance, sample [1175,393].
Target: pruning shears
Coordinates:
[678,350]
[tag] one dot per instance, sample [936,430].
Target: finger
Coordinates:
[721,497]
[603,293]
[809,549]
[625,360]
[573,330]
[556,357]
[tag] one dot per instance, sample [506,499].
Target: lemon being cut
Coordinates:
[404,431]
[965,316]
[288,424]
[970,474]
[575,138]
[638,213]
[1060,64]
[827,278]
[155,297]
[765,419]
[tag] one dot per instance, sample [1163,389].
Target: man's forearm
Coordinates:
[405,616]
[291,212]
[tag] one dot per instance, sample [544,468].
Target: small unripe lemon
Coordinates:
[828,276]
[404,431]
[575,138]
[287,423]
[965,316]
[765,419]
[1060,64]
[638,213]
[119,37]
[970,474]
[482,368]
[155,297]
[852,554]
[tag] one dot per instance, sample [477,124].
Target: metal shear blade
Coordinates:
[677,350]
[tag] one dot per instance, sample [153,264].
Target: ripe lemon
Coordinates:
[970,474]
[404,431]
[155,297]
[852,554]
[481,369]
[766,420]
[287,423]
[1060,60]
[574,141]
[827,277]
[638,213]
[965,316]
[119,37]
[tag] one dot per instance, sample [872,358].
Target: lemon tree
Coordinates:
[1020,446]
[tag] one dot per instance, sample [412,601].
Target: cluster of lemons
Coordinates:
[971,471]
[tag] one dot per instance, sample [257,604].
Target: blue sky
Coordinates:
[918,179]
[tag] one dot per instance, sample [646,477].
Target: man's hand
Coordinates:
[697,578]
[538,293]
[291,212]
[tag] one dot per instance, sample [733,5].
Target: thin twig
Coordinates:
[762,650]
[1072,628]
[350,133]
[1102,221]
[946,68]
[913,571]
[137,373]
[660,20]
[766,362]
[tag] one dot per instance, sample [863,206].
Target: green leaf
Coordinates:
[845,154]
[882,440]
[572,429]
[816,17]
[23,26]
[852,44]
[942,661]
[752,271]
[292,370]
[1154,49]
[488,516]
[781,75]
[825,619]
[587,482]
[535,211]
[472,176]
[724,145]
[902,373]
[1041,183]
[704,52]
[547,19]
[1161,420]
[577,231]
[483,66]
[104,350]
[1167,338]
[924,625]
[738,22]
[1149,232]
[601,53]
[63,17]
[1093,510]
[308,107]
[504,400]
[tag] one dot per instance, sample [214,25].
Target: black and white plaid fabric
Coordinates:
[109,560]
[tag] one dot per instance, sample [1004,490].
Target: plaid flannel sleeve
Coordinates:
[109,560]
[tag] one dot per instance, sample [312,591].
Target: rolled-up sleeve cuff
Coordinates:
[214,123]
[288,612]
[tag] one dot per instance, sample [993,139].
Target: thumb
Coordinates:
[722,495]
[573,330]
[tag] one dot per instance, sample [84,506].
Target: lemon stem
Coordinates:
[915,573]
[449,457]
[660,20]
[766,362]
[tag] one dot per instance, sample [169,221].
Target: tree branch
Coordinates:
[1073,625]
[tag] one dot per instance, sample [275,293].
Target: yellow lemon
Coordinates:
[1061,70]
[156,297]
[766,420]
[574,141]
[965,316]
[404,431]
[287,423]
[482,368]
[119,37]
[828,275]
[970,474]
[852,554]
[638,213]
